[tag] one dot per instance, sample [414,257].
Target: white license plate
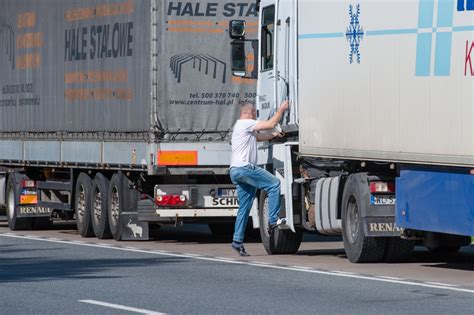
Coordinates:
[226,193]
[382,200]
[223,202]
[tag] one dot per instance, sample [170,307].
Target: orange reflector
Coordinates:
[175,158]
[28,199]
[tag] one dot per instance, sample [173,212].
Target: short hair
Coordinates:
[247,107]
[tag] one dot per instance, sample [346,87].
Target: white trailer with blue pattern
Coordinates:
[380,131]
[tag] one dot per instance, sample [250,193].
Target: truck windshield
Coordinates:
[267,30]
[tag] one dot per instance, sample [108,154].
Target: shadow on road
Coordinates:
[15,268]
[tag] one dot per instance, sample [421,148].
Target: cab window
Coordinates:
[267,33]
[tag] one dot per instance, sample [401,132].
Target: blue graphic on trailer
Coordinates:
[434,34]
[439,35]
[465,5]
[354,34]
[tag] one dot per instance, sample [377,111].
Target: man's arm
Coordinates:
[272,122]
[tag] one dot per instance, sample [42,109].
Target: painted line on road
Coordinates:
[104,244]
[256,264]
[223,258]
[442,284]
[301,267]
[121,307]
[343,272]
[391,278]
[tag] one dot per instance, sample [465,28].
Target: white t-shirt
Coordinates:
[244,143]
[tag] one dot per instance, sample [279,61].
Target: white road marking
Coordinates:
[223,258]
[442,284]
[78,242]
[257,264]
[121,307]
[343,272]
[104,244]
[191,255]
[301,267]
[391,278]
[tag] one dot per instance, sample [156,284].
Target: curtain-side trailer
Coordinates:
[380,144]
[108,104]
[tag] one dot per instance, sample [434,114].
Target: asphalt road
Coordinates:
[40,273]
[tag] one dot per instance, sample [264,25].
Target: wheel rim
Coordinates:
[81,204]
[11,203]
[115,206]
[352,219]
[265,216]
[97,207]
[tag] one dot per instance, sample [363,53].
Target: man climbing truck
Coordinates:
[118,113]
[379,143]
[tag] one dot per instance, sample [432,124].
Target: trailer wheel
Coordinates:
[398,250]
[100,219]
[121,198]
[279,241]
[82,205]
[359,248]
[15,223]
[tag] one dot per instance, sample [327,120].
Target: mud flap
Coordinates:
[132,229]
[381,227]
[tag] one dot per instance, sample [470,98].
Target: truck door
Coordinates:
[286,45]
[266,89]
[277,79]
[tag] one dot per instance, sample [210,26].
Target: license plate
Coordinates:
[225,202]
[226,193]
[382,200]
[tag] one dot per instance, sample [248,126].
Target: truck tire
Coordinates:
[279,241]
[82,205]
[121,198]
[99,213]
[398,250]
[12,198]
[359,248]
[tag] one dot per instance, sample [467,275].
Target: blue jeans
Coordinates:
[248,179]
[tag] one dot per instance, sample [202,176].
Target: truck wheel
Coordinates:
[82,205]
[100,219]
[15,223]
[121,199]
[279,241]
[398,250]
[358,247]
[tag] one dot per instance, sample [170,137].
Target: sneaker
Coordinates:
[279,222]
[239,248]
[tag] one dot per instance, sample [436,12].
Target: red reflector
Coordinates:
[170,200]
[382,187]
[27,183]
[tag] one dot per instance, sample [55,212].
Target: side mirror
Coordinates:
[239,59]
[237,29]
